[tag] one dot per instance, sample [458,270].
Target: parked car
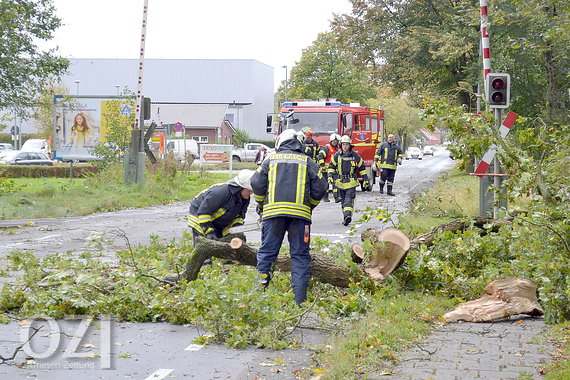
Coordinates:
[18,157]
[248,152]
[414,152]
[428,150]
[6,146]
[36,145]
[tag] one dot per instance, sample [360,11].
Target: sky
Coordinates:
[269,31]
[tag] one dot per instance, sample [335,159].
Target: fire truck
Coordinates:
[364,125]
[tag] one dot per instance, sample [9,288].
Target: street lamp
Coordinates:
[286,81]
[77,81]
[117,87]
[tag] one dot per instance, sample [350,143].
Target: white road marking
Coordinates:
[48,237]
[159,374]
[194,347]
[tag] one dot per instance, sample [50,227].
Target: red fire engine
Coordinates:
[364,125]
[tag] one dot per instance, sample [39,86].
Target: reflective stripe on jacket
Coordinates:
[217,209]
[344,168]
[311,149]
[288,183]
[387,154]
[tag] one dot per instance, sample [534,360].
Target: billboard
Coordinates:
[83,122]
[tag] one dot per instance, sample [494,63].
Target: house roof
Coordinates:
[190,115]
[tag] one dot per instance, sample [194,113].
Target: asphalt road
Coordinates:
[157,351]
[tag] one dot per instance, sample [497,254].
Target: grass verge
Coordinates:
[560,368]
[371,344]
[454,195]
[104,191]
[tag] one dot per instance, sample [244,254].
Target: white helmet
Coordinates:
[300,136]
[334,136]
[346,139]
[243,179]
[287,134]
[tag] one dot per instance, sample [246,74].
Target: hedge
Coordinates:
[37,171]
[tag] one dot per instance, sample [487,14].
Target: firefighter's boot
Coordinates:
[381,188]
[389,192]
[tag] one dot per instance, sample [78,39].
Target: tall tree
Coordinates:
[431,46]
[324,71]
[25,69]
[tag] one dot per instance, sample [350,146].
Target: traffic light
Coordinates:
[498,86]
[146,108]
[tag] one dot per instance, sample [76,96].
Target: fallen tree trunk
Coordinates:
[387,250]
[485,225]
[323,268]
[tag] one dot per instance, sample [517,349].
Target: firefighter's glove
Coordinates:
[211,236]
[375,167]
[259,209]
[366,185]
[331,180]
[399,160]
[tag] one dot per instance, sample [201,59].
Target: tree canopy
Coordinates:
[325,71]
[25,69]
[426,46]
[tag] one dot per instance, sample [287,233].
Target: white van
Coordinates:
[180,147]
[36,145]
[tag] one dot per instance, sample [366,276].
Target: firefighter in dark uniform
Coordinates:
[215,210]
[343,168]
[387,156]
[324,158]
[310,146]
[287,186]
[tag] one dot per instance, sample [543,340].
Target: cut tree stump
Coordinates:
[387,248]
[506,297]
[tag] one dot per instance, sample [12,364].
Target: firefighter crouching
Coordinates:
[388,154]
[215,210]
[324,158]
[287,186]
[343,168]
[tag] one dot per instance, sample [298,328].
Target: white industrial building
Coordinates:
[244,85]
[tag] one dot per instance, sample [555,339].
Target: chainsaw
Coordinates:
[245,228]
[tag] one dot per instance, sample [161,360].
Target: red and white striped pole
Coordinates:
[139,98]
[485,39]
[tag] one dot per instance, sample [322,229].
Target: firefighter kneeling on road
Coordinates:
[287,186]
[215,210]
[388,154]
[326,153]
[343,169]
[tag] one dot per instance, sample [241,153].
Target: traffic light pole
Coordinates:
[496,169]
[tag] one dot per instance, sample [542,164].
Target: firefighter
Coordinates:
[324,158]
[216,209]
[343,168]
[310,146]
[287,186]
[388,154]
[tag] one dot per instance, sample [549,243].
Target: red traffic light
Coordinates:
[498,83]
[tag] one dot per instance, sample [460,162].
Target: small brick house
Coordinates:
[205,123]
